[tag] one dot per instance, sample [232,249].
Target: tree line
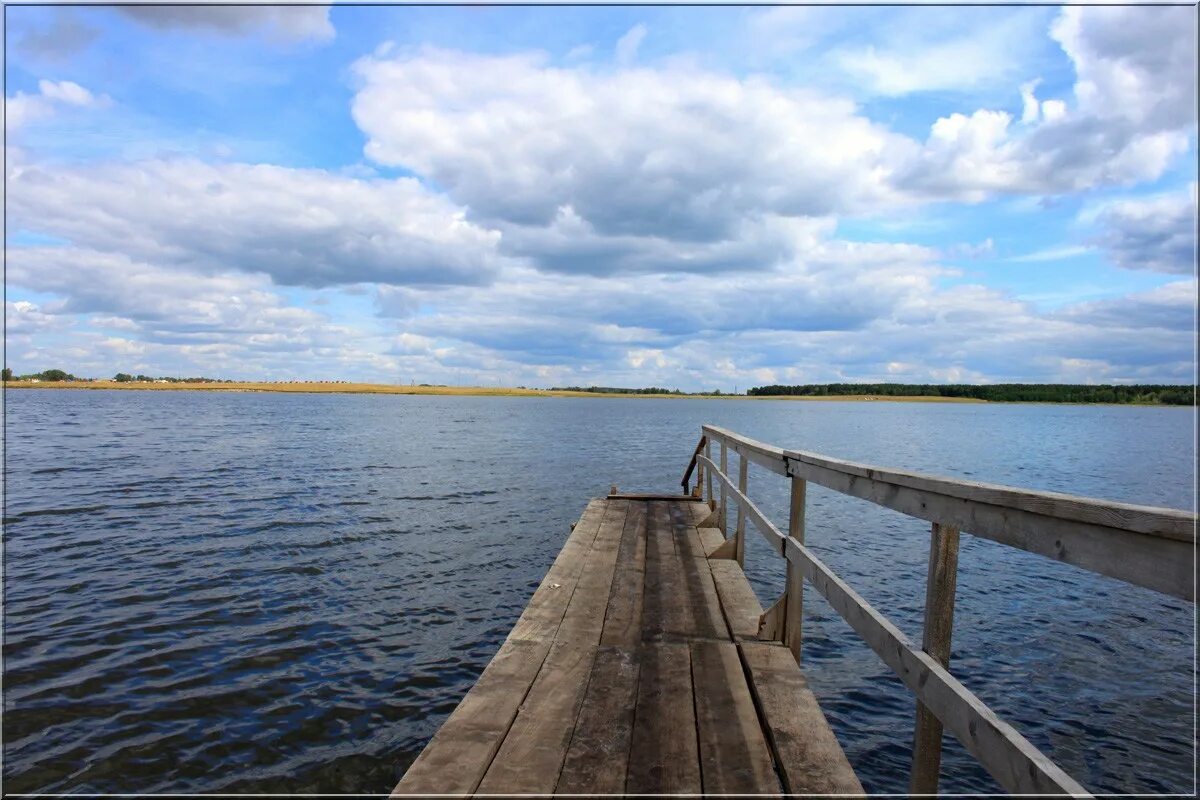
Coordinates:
[1145,394]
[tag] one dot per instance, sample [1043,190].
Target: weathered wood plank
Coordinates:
[531,757]
[1162,563]
[544,613]
[459,754]
[742,609]
[807,754]
[663,756]
[710,539]
[584,619]
[1016,764]
[623,618]
[1143,545]
[734,755]
[743,464]
[598,756]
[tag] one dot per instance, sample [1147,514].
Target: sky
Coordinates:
[692,198]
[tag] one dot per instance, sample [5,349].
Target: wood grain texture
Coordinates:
[734,755]
[741,608]
[623,618]
[807,754]
[598,756]
[663,756]
[531,757]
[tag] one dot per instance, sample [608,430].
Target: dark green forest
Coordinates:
[1142,394]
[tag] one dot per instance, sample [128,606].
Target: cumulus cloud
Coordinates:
[669,152]
[1134,113]
[52,96]
[285,23]
[163,301]
[1155,233]
[301,227]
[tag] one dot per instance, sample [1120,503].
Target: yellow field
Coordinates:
[485,391]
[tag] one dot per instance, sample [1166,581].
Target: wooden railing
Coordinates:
[1151,547]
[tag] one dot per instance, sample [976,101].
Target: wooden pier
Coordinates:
[644,664]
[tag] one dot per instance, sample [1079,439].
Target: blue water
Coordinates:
[267,592]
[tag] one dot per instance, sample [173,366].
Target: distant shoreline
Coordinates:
[450,391]
[488,391]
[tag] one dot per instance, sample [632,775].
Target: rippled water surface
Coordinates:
[269,592]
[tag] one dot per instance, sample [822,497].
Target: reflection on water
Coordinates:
[267,592]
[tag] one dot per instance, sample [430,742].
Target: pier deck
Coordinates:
[645,664]
[637,667]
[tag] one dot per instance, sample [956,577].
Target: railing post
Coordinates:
[939,624]
[708,474]
[741,517]
[794,612]
[723,518]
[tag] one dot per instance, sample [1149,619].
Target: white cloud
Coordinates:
[285,23]
[1155,233]
[627,45]
[52,96]
[301,227]
[671,152]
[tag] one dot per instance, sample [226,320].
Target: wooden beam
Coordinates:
[768,530]
[771,622]
[727,550]
[1016,764]
[1143,545]
[939,625]
[743,464]
[794,616]
[708,472]
[724,476]
[687,474]
[1163,563]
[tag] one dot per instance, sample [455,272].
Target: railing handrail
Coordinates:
[1149,546]
[1143,545]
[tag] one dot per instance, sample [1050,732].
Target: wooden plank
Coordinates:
[807,754]
[1162,563]
[531,757]
[700,593]
[543,615]
[623,618]
[599,752]
[662,613]
[741,608]
[710,539]
[1016,764]
[734,755]
[663,756]
[939,625]
[584,618]
[647,496]
[459,754]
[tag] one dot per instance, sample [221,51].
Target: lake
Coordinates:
[254,592]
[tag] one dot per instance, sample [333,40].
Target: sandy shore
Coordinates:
[480,391]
